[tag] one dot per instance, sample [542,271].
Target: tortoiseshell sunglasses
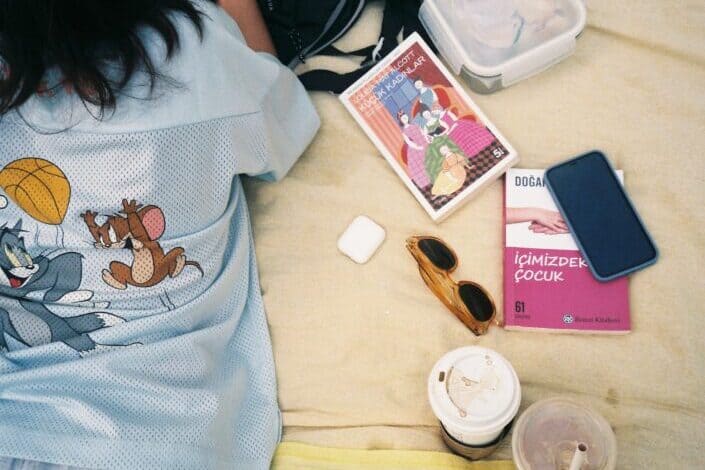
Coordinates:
[468,301]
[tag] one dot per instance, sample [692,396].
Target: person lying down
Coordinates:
[132,330]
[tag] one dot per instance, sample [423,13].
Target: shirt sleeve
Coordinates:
[267,142]
[288,123]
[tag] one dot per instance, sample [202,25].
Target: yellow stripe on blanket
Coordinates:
[296,456]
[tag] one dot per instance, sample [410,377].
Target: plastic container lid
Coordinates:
[548,432]
[474,390]
[509,38]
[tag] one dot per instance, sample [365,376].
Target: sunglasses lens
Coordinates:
[437,253]
[476,301]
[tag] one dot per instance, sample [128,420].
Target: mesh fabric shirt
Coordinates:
[132,329]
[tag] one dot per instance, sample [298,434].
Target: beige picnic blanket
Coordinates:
[354,343]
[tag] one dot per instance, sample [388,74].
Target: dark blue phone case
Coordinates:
[567,219]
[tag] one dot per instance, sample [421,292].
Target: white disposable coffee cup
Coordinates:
[475,394]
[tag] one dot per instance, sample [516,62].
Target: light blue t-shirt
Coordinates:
[132,330]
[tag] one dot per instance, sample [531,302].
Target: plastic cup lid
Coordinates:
[474,389]
[548,432]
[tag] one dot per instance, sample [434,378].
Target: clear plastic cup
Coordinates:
[475,394]
[547,435]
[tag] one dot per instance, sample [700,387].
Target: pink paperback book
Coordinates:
[547,283]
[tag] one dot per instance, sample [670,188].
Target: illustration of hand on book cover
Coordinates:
[427,127]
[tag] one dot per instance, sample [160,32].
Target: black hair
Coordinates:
[401,113]
[81,39]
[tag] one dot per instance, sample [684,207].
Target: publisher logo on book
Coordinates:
[568,318]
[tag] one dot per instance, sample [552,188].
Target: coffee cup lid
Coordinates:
[474,389]
[549,431]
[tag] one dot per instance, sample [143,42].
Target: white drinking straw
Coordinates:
[579,457]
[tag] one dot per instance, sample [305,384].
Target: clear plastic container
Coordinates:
[495,43]
[561,434]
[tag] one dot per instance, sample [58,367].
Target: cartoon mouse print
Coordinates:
[137,230]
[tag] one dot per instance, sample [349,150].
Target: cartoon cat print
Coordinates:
[55,280]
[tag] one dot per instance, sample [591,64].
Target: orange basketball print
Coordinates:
[38,187]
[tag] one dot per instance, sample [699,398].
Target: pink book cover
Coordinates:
[547,284]
[428,129]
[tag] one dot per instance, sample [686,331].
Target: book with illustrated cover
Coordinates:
[429,130]
[548,285]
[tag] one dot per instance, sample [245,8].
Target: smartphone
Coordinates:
[602,219]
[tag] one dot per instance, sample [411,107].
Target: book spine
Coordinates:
[505,287]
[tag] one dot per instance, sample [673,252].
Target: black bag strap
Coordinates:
[399,16]
[334,51]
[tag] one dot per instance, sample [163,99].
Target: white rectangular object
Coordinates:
[361,239]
